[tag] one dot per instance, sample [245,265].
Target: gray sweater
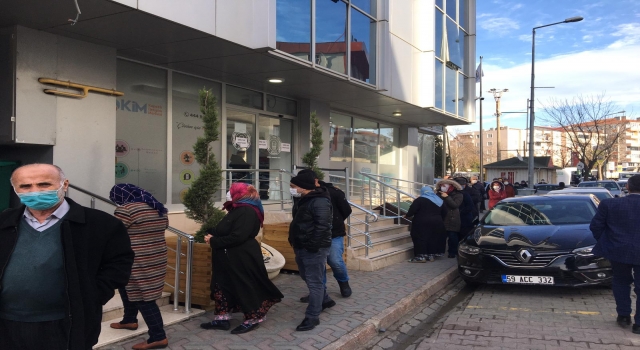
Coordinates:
[33,284]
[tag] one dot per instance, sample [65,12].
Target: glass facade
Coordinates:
[343,47]
[186,128]
[426,158]
[362,146]
[450,23]
[141,128]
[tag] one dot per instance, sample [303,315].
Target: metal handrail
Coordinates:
[257,180]
[189,255]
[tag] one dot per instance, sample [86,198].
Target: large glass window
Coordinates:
[439,36]
[451,81]
[340,138]
[331,34]
[274,152]
[186,128]
[243,97]
[241,146]
[282,105]
[450,53]
[439,85]
[293,27]
[141,128]
[426,158]
[365,145]
[363,40]
[389,150]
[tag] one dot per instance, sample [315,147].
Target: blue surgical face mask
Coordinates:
[42,200]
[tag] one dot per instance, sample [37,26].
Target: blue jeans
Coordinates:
[621,285]
[336,262]
[312,271]
[453,242]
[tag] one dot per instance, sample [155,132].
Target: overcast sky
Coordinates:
[600,54]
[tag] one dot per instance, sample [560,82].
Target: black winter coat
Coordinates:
[97,258]
[311,225]
[238,264]
[341,209]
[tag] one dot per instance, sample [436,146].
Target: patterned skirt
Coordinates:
[224,308]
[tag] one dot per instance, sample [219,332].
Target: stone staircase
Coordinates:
[113,311]
[391,244]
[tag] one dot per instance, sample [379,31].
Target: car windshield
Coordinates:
[611,186]
[570,211]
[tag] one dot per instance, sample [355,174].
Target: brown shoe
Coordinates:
[129,326]
[160,344]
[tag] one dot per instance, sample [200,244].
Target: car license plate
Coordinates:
[527,279]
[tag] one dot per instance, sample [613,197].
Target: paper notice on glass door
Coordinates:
[285,147]
[262,144]
[242,142]
[241,127]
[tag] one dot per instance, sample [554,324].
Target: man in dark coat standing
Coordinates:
[341,211]
[310,236]
[615,227]
[60,262]
[479,186]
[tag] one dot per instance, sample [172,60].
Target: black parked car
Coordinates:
[535,240]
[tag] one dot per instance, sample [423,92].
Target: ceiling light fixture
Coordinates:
[276,80]
[397,114]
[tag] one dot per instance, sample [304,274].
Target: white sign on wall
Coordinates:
[285,147]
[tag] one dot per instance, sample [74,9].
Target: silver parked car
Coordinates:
[598,192]
[610,185]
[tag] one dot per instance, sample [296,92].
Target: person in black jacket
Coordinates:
[59,263]
[341,211]
[468,209]
[310,237]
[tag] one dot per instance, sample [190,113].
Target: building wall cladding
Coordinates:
[81,131]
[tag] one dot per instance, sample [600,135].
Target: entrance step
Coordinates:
[380,259]
[385,239]
[114,310]
[169,317]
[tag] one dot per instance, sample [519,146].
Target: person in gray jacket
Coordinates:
[310,237]
[451,193]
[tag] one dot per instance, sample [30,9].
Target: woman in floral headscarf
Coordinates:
[145,219]
[240,282]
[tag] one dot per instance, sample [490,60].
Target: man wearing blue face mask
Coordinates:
[59,263]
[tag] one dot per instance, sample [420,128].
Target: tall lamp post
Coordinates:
[532,99]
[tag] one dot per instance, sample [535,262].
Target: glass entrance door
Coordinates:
[274,152]
[241,148]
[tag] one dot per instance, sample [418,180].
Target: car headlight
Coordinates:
[467,249]
[584,251]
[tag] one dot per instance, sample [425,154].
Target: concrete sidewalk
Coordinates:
[379,299]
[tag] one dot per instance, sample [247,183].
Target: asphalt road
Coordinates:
[511,317]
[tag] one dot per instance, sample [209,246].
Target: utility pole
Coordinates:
[497,94]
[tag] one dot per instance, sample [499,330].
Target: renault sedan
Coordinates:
[541,240]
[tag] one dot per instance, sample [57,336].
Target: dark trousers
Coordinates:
[150,313]
[312,271]
[453,242]
[50,335]
[419,243]
[621,285]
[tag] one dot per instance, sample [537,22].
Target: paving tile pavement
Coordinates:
[534,317]
[373,292]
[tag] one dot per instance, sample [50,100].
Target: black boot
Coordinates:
[307,324]
[623,321]
[345,290]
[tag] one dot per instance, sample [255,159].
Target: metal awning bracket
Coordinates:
[69,85]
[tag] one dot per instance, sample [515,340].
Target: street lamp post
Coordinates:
[532,99]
